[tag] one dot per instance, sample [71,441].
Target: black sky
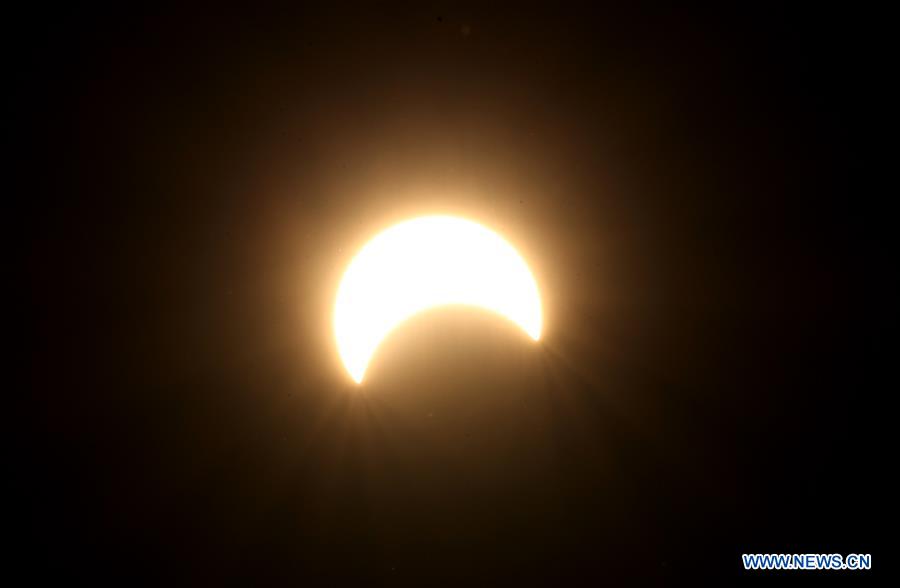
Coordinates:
[694,192]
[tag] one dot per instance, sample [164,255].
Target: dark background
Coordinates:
[695,193]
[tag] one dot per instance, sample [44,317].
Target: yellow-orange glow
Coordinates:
[423,263]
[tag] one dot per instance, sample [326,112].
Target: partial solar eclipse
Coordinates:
[421,264]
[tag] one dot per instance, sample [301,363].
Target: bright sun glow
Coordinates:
[423,263]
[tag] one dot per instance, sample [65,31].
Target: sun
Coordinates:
[422,263]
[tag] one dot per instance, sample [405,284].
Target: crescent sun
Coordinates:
[423,263]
